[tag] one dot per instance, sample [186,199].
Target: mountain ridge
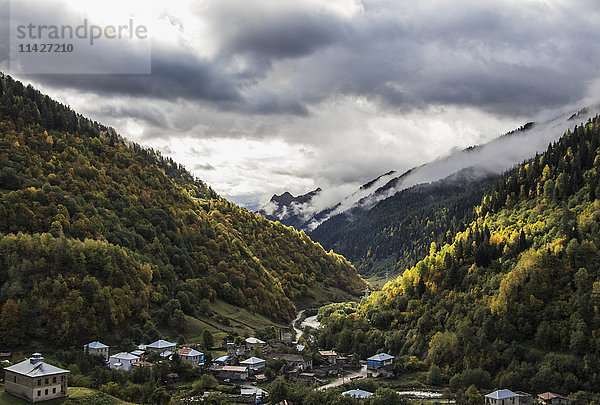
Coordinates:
[93,224]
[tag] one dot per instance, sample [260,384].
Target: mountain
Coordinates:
[492,158]
[512,298]
[288,209]
[399,230]
[100,237]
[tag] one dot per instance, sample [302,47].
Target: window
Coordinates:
[39,382]
[54,390]
[39,392]
[46,382]
[15,379]
[53,380]
[46,391]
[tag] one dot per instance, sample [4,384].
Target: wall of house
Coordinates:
[28,388]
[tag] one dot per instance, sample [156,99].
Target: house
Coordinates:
[166,355]
[358,394]
[525,398]
[96,349]
[253,395]
[329,356]
[5,356]
[252,343]
[502,397]
[122,361]
[254,364]
[138,352]
[234,349]
[293,360]
[191,356]
[34,380]
[549,398]
[233,372]
[161,346]
[286,335]
[381,360]
[307,377]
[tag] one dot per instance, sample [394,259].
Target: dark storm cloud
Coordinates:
[254,29]
[175,75]
[509,58]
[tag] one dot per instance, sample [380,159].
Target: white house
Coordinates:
[122,361]
[194,357]
[161,346]
[380,360]
[502,397]
[254,364]
[96,349]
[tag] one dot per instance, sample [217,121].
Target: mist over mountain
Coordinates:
[493,157]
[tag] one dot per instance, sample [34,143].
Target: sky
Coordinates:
[257,97]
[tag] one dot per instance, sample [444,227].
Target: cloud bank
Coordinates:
[258,96]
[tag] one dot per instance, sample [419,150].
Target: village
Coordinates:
[243,366]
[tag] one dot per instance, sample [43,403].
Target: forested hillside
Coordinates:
[398,231]
[513,299]
[98,235]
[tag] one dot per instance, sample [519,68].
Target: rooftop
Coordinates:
[237,369]
[35,369]
[124,356]
[252,360]
[502,394]
[253,341]
[96,345]
[186,351]
[381,357]
[161,344]
[357,394]
[326,353]
[550,395]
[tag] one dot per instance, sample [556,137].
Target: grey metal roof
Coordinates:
[253,360]
[124,356]
[96,345]
[38,369]
[502,394]
[381,357]
[191,353]
[161,344]
[253,341]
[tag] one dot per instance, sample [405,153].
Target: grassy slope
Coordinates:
[74,392]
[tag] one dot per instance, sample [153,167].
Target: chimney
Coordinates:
[36,358]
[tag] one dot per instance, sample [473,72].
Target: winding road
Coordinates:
[299,332]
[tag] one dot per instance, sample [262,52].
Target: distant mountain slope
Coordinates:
[288,209]
[399,230]
[491,158]
[98,235]
[513,299]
